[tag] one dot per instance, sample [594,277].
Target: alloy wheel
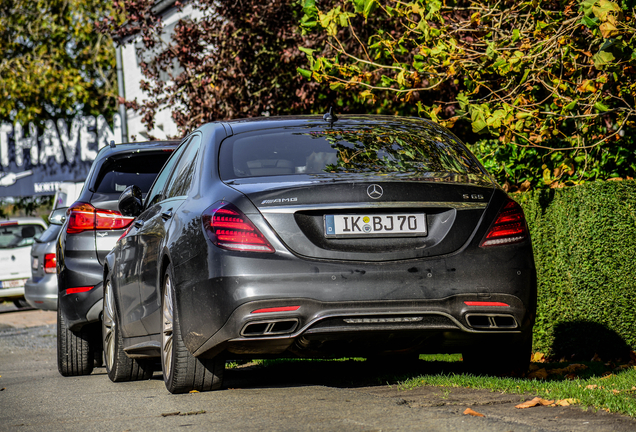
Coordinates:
[109,324]
[167,325]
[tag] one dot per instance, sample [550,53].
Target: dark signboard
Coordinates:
[34,162]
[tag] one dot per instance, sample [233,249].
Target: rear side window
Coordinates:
[14,236]
[184,172]
[390,149]
[139,169]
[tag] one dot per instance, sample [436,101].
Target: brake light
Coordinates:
[509,227]
[85,217]
[483,303]
[229,228]
[277,309]
[78,290]
[50,263]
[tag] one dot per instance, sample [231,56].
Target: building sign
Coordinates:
[34,162]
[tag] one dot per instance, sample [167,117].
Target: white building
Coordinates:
[129,60]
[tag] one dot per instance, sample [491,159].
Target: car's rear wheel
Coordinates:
[119,366]
[74,353]
[501,358]
[182,372]
[21,303]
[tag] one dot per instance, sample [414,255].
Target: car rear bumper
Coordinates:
[41,292]
[82,308]
[362,328]
[353,308]
[11,294]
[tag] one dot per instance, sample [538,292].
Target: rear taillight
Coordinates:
[85,217]
[229,228]
[50,263]
[509,227]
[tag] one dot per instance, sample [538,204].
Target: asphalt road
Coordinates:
[313,396]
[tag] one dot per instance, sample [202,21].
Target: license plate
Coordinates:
[376,225]
[35,263]
[12,283]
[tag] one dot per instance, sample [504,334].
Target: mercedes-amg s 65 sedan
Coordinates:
[315,237]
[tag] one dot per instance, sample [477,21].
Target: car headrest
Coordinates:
[28,232]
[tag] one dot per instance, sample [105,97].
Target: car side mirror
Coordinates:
[57,216]
[131,201]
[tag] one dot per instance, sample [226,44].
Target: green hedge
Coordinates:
[584,241]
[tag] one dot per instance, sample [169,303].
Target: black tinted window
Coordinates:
[139,169]
[388,148]
[156,193]
[184,172]
[13,236]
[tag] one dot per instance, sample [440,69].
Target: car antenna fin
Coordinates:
[330,116]
[112,144]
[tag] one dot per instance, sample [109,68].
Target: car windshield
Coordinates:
[393,149]
[14,236]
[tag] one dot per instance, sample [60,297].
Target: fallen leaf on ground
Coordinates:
[473,413]
[534,402]
[538,357]
[192,413]
[591,387]
[615,391]
[596,358]
[194,391]
[606,375]
[539,374]
[176,413]
[565,402]
[3,389]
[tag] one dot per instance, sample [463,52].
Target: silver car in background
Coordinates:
[40,290]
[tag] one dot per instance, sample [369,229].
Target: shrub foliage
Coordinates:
[584,241]
[551,84]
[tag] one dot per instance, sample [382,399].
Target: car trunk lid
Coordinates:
[302,213]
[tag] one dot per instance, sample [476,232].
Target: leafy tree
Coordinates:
[239,60]
[549,85]
[54,64]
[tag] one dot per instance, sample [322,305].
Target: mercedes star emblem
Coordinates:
[375,191]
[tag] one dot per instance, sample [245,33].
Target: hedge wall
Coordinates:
[584,241]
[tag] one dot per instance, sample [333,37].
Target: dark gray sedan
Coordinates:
[313,237]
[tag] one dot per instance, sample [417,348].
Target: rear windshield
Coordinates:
[50,234]
[388,149]
[14,236]
[139,169]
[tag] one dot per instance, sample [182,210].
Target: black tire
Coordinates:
[500,359]
[21,304]
[119,366]
[74,353]
[182,372]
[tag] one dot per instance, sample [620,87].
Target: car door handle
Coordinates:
[138,223]
[167,214]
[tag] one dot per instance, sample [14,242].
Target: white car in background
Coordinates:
[16,237]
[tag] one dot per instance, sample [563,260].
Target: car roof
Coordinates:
[23,221]
[258,123]
[125,148]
